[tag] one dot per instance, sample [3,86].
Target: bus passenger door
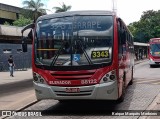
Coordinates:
[121,56]
[121,53]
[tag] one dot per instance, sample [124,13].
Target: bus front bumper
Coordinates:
[105,91]
[152,62]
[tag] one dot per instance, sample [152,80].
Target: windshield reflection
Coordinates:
[155,49]
[72,41]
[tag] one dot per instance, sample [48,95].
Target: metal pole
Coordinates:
[114,6]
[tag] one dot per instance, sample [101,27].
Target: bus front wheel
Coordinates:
[131,81]
[151,66]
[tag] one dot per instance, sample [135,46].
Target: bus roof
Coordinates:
[74,13]
[141,44]
[154,40]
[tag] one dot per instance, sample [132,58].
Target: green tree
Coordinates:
[36,7]
[147,27]
[29,14]
[22,21]
[63,8]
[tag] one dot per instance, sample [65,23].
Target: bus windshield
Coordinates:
[74,40]
[155,49]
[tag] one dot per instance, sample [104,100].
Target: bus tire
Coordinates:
[121,98]
[131,81]
[151,66]
[64,101]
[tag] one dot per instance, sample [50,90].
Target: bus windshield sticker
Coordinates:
[76,57]
[100,54]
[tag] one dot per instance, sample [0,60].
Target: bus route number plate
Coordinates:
[72,90]
[100,54]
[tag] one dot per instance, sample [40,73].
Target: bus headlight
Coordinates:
[112,77]
[41,80]
[105,79]
[35,78]
[109,77]
[151,59]
[38,78]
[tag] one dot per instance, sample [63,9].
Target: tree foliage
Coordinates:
[22,21]
[29,14]
[147,27]
[63,8]
[36,7]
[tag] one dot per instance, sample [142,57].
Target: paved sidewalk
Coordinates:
[11,101]
[18,76]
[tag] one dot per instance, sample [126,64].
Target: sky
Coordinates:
[128,10]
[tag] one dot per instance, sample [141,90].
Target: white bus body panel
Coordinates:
[105,91]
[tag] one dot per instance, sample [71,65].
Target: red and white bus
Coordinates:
[154,52]
[81,55]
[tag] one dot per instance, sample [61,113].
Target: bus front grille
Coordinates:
[73,75]
[82,93]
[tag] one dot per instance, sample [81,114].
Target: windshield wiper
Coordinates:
[85,54]
[57,54]
[39,62]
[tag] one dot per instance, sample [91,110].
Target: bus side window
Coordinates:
[124,36]
[121,39]
[120,47]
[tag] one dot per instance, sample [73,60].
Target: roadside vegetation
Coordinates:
[62,8]
[147,27]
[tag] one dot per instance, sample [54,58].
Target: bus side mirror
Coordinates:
[24,44]
[30,36]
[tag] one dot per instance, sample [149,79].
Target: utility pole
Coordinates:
[114,7]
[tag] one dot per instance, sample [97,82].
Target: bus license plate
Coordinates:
[72,90]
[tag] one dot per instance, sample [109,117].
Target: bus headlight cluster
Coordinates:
[109,77]
[151,59]
[38,78]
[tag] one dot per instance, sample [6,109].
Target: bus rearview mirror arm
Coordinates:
[24,39]
[24,44]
